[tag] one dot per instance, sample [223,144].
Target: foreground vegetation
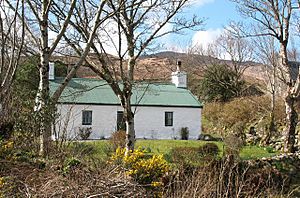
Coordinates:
[159,168]
[103,148]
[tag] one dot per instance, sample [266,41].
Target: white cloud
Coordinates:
[201,2]
[204,38]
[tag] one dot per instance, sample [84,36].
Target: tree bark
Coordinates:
[129,121]
[42,97]
[292,120]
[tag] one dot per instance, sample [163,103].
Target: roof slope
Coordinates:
[95,91]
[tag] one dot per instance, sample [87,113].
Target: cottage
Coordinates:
[161,109]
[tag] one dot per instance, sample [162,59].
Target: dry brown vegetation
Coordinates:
[240,114]
[26,180]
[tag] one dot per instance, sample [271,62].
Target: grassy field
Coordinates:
[102,147]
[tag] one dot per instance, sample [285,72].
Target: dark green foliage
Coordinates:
[81,149]
[27,79]
[184,133]
[220,83]
[70,164]
[6,130]
[61,69]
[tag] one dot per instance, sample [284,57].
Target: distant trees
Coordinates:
[12,33]
[274,18]
[267,54]
[223,66]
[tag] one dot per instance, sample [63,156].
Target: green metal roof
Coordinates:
[95,91]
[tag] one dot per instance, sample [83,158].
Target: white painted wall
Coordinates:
[179,79]
[149,121]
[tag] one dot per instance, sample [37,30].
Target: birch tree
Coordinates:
[41,17]
[275,19]
[11,47]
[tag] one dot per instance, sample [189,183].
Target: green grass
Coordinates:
[256,152]
[102,147]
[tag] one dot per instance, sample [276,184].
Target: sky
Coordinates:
[218,13]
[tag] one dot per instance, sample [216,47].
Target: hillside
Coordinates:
[160,65]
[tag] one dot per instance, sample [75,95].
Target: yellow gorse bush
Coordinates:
[144,168]
[8,145]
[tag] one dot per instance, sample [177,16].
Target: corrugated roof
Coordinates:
[95,91]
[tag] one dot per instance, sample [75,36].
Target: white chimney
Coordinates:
[179,78]
[51,71]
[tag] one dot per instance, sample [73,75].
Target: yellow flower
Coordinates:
[2,182]
[156,184]
[8,145]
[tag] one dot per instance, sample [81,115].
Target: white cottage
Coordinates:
[161,109]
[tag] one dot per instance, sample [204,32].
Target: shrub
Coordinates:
[191,157]
[209,149]
[184,156]
[70,164]
[233,145]
[142,168]
[82,149]
[184,133]
[220,83]
[239,114]
[118,139]
[84,133]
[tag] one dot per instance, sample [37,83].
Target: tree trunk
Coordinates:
[271,127]
[292,120]
[42,97]
[129,121]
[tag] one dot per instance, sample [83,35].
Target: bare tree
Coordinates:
[275,19]
[237,49]
[134,27]
[12,41]
[267,54]
[42,16]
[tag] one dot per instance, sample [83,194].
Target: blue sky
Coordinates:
[218,13]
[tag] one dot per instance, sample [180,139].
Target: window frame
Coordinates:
[87,117]
[120,122]
[169,121]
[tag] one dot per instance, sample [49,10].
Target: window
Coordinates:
[86,117]
[120,121]
[168,118]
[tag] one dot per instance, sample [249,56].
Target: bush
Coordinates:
[189,157]
[70,164]
[184,133]
[118,139]
[84,133]
[142,168]
[233,145]
[237,115]
[209,149]
[220,83]
[184,156]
